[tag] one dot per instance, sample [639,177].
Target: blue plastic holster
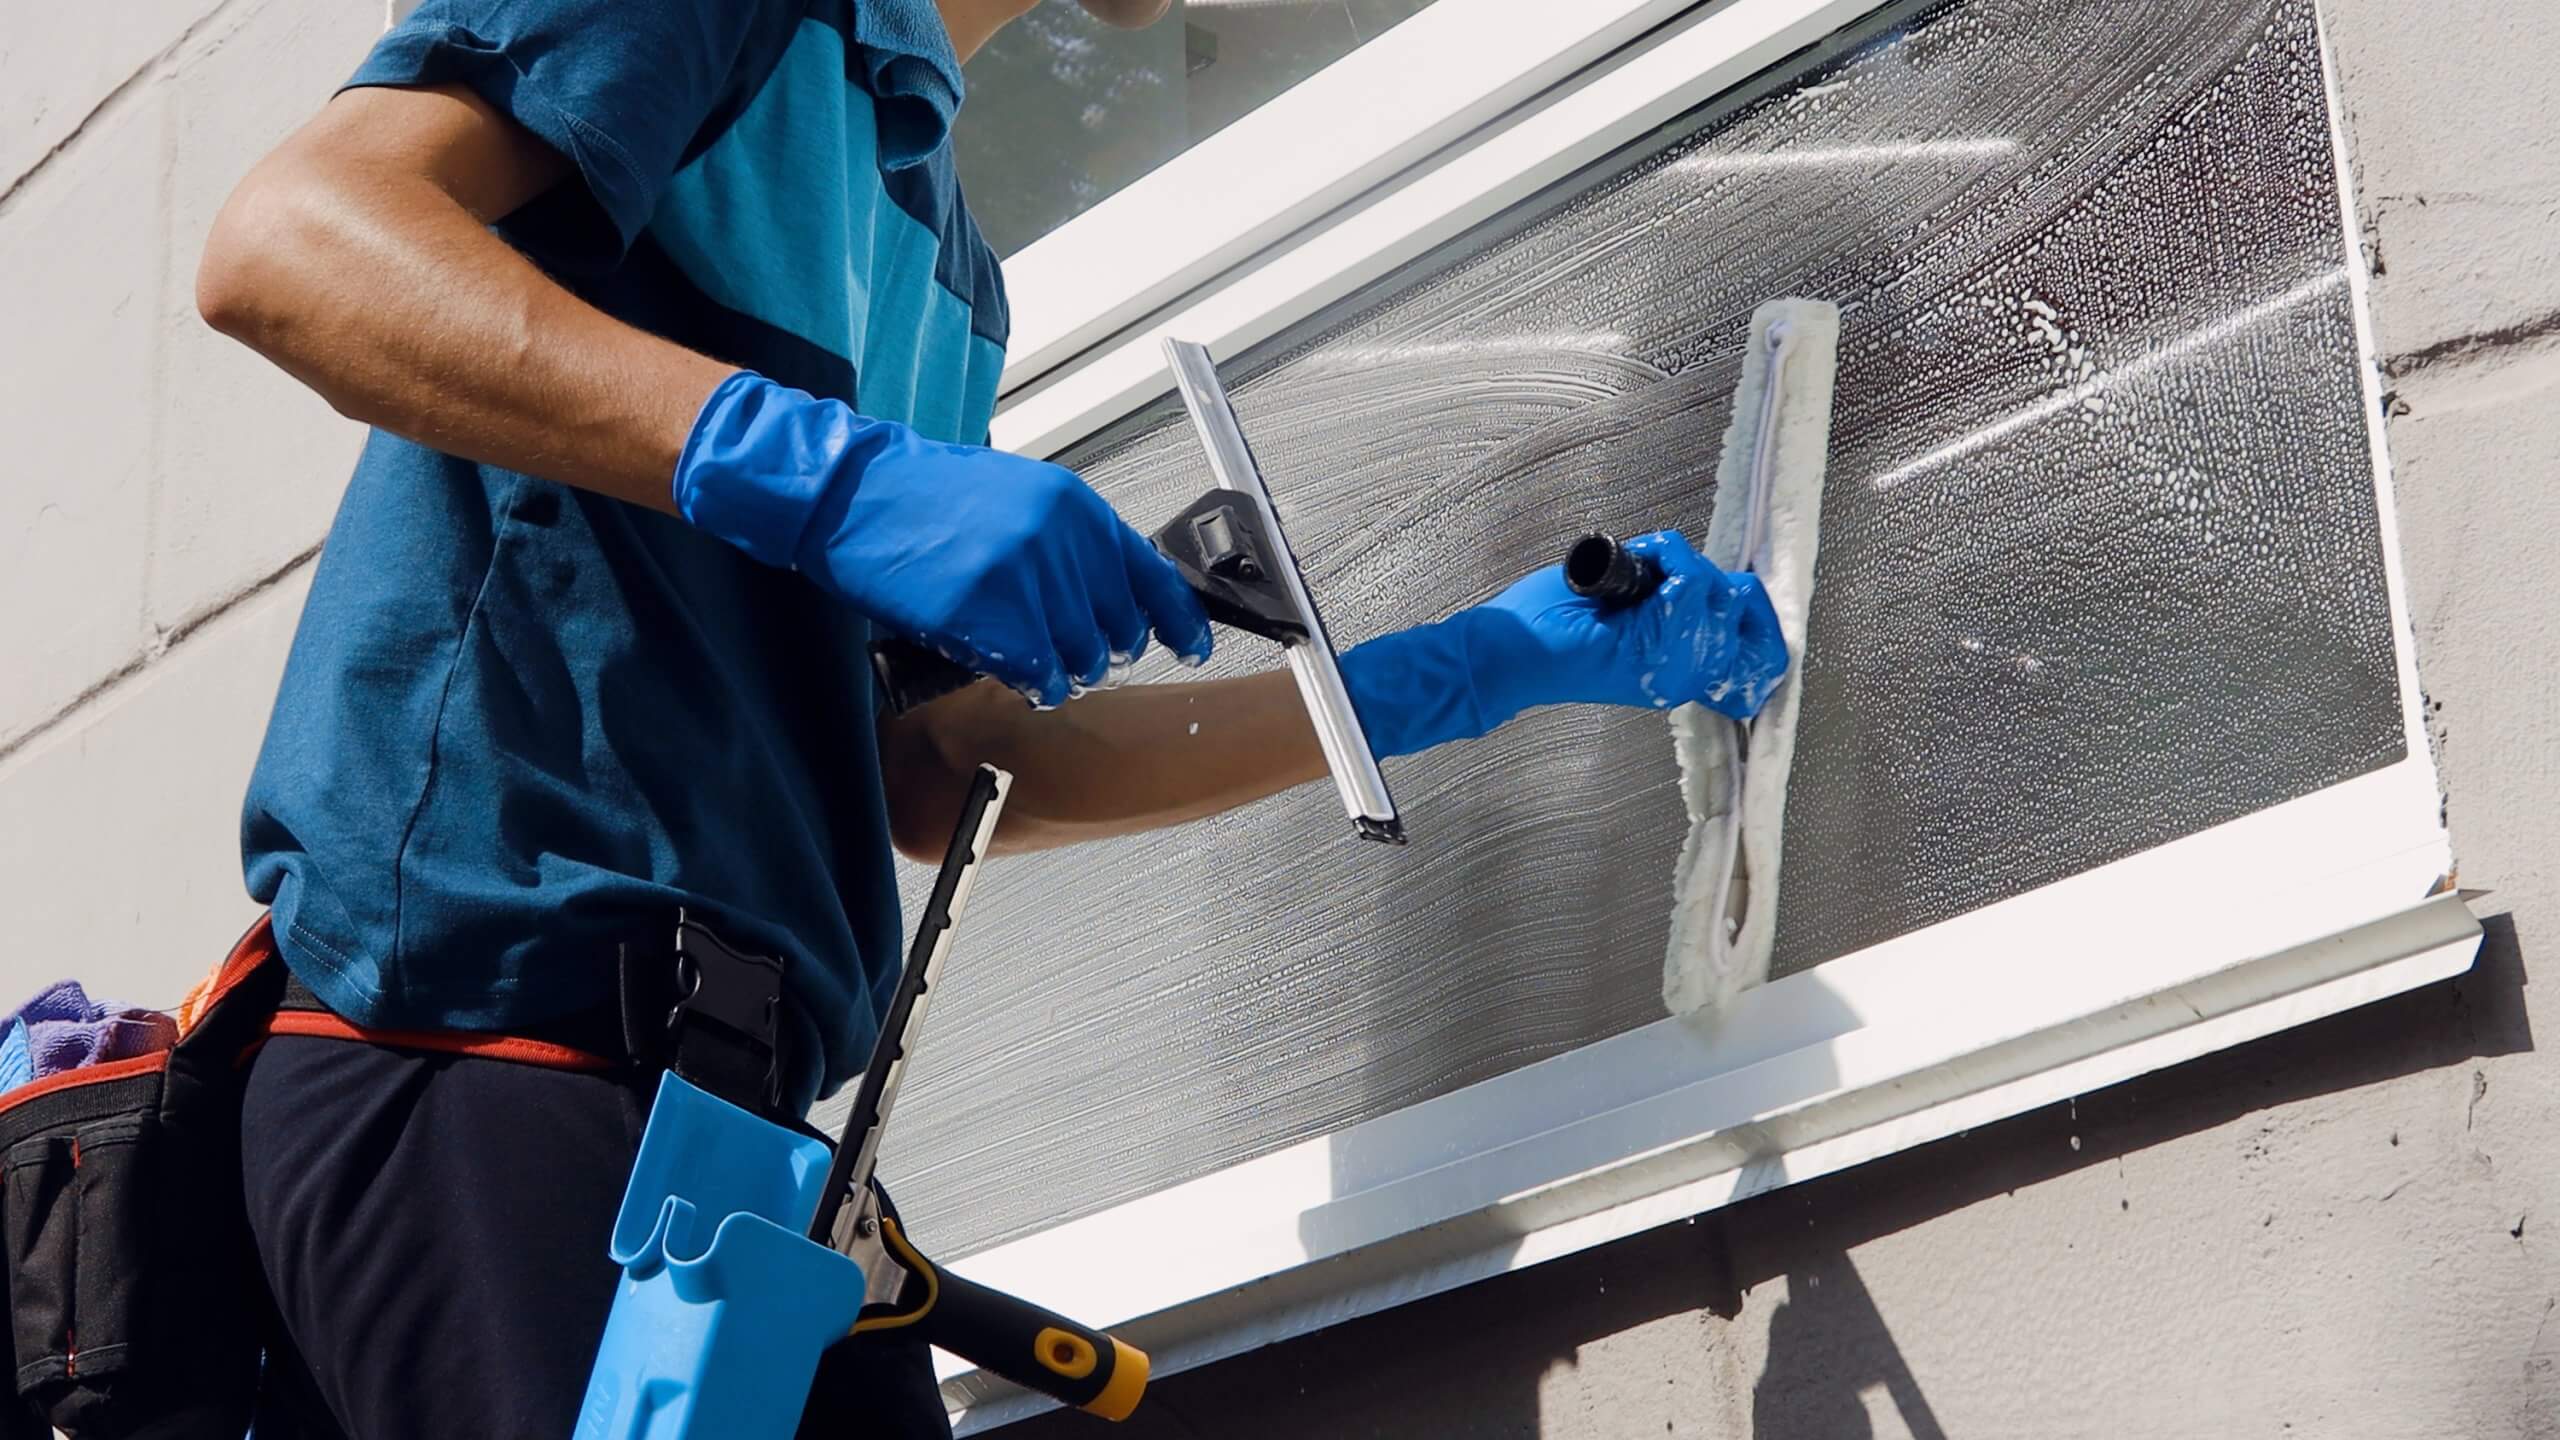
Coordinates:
[725,1303]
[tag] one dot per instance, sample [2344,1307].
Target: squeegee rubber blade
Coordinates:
[1365,797]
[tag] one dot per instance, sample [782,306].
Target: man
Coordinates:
[672,327]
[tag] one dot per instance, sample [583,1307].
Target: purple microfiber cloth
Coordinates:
[66,1030]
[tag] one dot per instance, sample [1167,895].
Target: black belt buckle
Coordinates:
[725,1027]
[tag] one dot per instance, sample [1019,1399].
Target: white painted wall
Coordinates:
[161,489]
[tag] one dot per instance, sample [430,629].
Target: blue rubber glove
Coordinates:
[1013,567]
[1705,636]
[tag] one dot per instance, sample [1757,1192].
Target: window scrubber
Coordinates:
[1733,775]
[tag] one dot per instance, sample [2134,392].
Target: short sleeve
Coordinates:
[620,88]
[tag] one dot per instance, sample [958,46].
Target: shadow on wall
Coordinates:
[1472,1362]
[1827,1345]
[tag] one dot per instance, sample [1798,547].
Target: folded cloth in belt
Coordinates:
[66,1030]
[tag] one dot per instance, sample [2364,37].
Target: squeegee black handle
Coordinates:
[909,675]
[1598,568]
[1035,1348]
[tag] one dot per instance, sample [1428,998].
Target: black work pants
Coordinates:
[432,1229]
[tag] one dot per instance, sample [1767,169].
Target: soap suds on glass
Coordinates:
[2101,567]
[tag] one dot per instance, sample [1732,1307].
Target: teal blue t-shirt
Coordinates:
[522,723]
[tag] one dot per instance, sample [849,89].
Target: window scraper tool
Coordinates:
[1733,774]
[1229,547]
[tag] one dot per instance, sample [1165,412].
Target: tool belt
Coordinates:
[132,1286]
[132,1282]
[702,1008]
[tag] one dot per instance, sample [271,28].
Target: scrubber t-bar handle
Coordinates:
[1599,568]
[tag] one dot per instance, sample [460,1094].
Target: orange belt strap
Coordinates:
[258,948]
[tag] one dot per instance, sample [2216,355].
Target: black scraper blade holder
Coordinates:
[1221,549]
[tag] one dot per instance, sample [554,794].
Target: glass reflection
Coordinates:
[1064,110]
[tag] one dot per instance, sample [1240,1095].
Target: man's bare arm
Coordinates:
[1112,763]
[357,257]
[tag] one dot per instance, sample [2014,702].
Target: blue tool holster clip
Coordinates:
[725,1303]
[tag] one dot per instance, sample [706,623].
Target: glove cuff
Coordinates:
[1422,687]
[763,460]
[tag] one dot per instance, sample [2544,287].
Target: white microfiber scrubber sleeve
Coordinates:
[1733,778]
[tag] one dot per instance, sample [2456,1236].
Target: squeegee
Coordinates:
[1228,544]
[1229,547]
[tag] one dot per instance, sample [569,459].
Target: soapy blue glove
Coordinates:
[1705,636]
[1013,567]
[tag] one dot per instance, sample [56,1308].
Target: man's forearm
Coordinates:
[1112,763]
[364,267]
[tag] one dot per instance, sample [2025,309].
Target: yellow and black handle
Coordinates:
[1037,1349]
[1034,1348]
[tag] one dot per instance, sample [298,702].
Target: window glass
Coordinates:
[1064,110]
[2101,568]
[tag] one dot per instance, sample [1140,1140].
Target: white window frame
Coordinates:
[1103,290]
[1334,134]
[2298,911]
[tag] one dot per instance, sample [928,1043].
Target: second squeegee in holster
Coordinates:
[748,1246]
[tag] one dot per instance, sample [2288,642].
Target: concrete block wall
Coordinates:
[2347,1232]
[2350,1230]
[163,491]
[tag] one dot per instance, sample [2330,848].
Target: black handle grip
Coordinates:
[1035,1348]
[910,675]
[1598,568]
